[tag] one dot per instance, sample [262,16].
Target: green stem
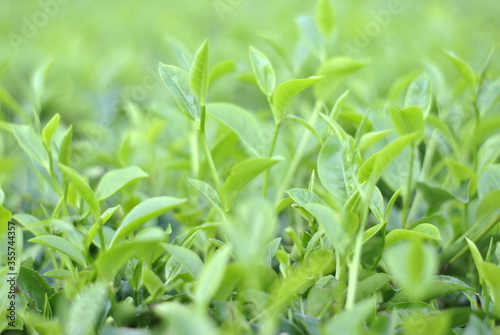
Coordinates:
[406,199]
[429,153]
[299,153]
[271,151]
[356,258]
[206,148]
[475,239]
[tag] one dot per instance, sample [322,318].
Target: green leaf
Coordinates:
[488,152]
[184,321]
[330,221]
[321,295]
[65,150]
[412,265]
[476,256]
[49,131]
[84,189]
[198,78]
[191,261]
[34,286]
[209,192]
[305,124]
[221,69]
[59,274]
[351,321]
[285,92]
[488,205]
[489,180]
[335,69]
[375,165]
[210,278]
[324,17]
[369,139]
[436,196]
[241,174]
[310,36]
[263,71]
[491,273]
[420,94]
[370,232]
[421,232]
[31,144]
[408,120]
[464,69]
[93,300]
[112,260]
[331,169]
[390,204]
[377,204]
[371,284]
[177,81]
[435,289]
[153,283]
[115,180]
[5,217]
[242,123]
[143,212]
[61,245]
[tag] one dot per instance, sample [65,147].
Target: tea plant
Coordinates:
[307,212]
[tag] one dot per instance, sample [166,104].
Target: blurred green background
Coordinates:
[102,49]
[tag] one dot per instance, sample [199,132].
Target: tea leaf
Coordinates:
[49,130]
[464,70]
[408,120]
[211,276]
[34,286]
[198,78]
[115,180]
[324,17]
[285,92]
[31,144]
[331,170]
[177,81]
[241,174]
[144,212]
[263,71]
[420,94]
[188,258]
[62,245]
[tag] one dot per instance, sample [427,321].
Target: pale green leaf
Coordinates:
[422,231]
[331,168]
[61,245]
[49,130]
[210,278]
[241,174]
[198,78]
[242,123]
[408,120]
[412,265]
[191,261]
[144,212]
[115,180]
[31,144]
[285,92]
[177,81]
[464,69]
[375,165]
[325,17]
[420,94]
[263,71]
